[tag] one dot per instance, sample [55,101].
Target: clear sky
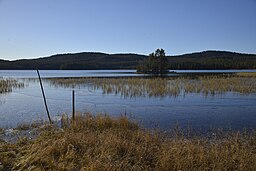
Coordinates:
[37,28]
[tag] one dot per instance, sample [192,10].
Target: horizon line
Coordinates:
[66,53]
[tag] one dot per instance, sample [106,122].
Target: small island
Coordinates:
[156,64]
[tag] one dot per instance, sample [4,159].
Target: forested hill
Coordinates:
[88,60]
[213,60]
[85,60]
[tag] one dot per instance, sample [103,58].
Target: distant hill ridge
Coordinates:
[97,60]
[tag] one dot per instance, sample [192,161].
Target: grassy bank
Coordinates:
[104,143]
[243,83]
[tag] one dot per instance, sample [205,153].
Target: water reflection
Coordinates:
[2,100]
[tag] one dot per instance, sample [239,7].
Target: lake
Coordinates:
[229,111]
[96,73]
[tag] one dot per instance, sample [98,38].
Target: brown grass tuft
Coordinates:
[104,143]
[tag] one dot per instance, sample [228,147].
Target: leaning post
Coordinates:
[45,103]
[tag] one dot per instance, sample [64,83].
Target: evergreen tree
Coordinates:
[156,64]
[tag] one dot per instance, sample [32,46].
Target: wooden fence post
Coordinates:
[73,105]
[45,103]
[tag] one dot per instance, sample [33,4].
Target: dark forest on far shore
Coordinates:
[93,60]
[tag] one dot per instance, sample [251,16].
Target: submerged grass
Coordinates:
[104,143]
[7,85]
[162,87]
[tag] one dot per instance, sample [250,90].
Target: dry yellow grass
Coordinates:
[246,74]
[104,143]
[161,87]
[8,84]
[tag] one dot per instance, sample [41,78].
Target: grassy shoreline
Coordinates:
[105,143]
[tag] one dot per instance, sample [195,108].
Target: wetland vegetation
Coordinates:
[105,143]
[243,83]
[7,85]
[101,142]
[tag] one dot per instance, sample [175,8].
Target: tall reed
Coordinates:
[7,85]
[162,87]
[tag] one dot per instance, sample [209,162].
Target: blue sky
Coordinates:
[36,28]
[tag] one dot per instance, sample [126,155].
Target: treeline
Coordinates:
[86,60]
[77,61]
[213,60]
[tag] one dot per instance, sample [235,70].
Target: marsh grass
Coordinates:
[246,74]
[162,87]
[7,85]
[211,85]
[105,143]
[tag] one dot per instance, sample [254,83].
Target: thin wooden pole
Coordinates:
[73,105]
[45,103]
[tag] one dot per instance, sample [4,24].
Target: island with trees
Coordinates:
[156,64]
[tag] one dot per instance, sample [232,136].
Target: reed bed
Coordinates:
[104,143]
[162,87]
[246,74]
[8,85]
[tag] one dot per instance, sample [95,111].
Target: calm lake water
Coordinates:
[95,73]
[230,111]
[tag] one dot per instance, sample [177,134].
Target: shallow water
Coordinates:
[230,111]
